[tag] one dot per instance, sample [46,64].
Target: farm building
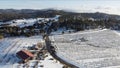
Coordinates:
[25,55]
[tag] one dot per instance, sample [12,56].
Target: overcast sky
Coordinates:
[106,6]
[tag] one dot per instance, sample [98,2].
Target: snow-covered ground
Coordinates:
[23,22]
[61,30]
[50,63]
[10,46]
[89,49]
[46,63]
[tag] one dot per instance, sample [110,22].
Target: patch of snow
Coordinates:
[50,63]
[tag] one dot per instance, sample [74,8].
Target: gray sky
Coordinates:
[106,6]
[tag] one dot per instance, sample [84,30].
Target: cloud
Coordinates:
[102,8]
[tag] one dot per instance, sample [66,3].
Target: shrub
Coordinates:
[1,36]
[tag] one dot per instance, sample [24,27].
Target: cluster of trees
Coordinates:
[36,29]
[16,31]
[78,24]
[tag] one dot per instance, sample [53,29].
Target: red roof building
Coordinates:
[25,55]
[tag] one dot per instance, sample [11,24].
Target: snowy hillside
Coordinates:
[89,49]
[28,22]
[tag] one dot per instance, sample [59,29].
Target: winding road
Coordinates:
[53,53]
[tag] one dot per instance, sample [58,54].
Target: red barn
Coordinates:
[25,55]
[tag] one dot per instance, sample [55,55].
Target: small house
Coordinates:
[25,55]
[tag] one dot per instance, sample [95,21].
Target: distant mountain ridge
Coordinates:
[10,14]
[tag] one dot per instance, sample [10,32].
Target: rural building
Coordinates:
[25,55]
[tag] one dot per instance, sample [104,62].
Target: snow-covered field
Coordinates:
[89,49]
[28,22]
[10,46]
